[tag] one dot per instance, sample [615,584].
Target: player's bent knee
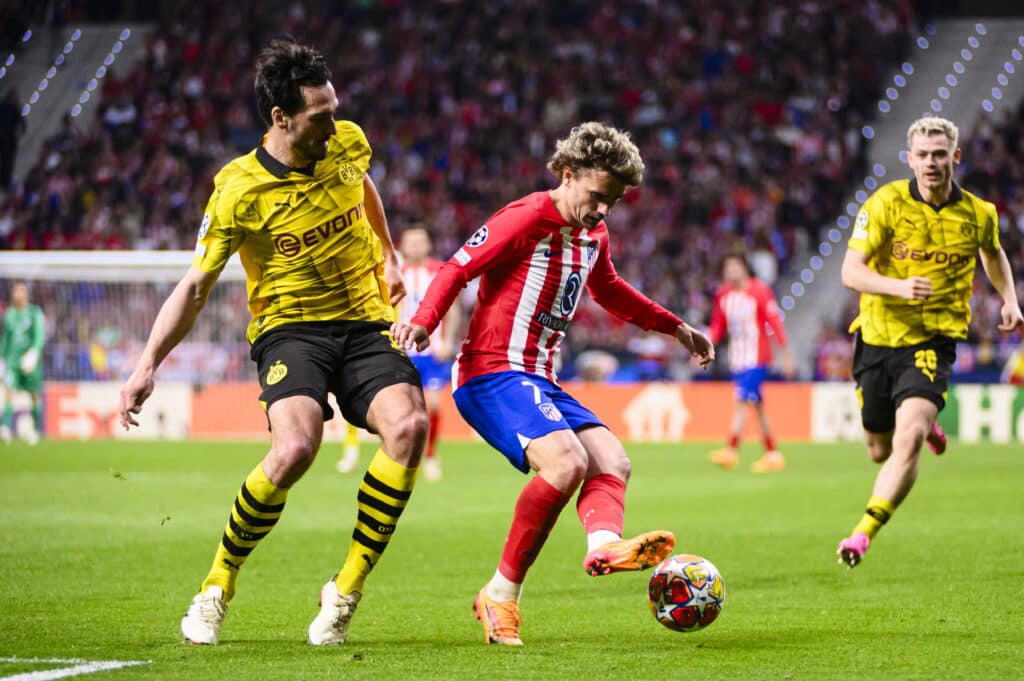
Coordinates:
[295,450]
[572,466]
[405,436]
[412,427]
[290,458]
[563,467]
[625,468]
[879,453]
[911,438]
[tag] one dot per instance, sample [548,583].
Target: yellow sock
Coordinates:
[383,494]
[351,436]
[875,515]
[258,505]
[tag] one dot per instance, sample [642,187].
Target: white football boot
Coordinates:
[201,624]
[330,627]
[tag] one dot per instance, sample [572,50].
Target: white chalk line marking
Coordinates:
[79,667]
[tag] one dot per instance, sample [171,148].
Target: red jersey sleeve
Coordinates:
[614,294]
[716,330]
[772,316]
[500,240]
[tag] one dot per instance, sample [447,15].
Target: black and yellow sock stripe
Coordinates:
[257,508]
[876,514]
[382,497]
[249,522]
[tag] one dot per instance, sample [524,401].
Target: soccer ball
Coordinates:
[685,593]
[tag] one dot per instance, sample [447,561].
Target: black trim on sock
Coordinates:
[878,514]
[384,488]
[235,551]
[374,524]
[372,544]
[244,534]
[373,502]
[250,519]
[259,506]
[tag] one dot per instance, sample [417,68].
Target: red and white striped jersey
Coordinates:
[417,280]
[533,268]
[746,315]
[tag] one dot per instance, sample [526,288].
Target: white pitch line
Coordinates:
[79,667]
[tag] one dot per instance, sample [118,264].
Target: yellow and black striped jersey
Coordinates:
[905,236]
[308,250]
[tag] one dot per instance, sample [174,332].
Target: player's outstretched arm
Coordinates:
[858,276]
[174,320]
[1000,274]
[699,345]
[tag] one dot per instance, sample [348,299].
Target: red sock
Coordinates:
[536,512]
[601,503]
[435,423]
[769,443]
[734,441]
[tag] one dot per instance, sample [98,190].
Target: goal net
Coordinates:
[100,306]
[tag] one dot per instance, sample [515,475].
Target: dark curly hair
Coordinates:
[282,69]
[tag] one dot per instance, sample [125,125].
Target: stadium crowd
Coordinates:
[747,117]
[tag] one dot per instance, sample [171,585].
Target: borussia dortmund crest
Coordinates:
[349,174]
[278,370]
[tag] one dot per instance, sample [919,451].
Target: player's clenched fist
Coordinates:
[1011,317]
[915,288]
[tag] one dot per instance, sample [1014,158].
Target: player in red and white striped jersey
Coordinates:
[534,258]
[745,310]
[434,363]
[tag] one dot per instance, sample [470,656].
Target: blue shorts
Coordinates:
[748,384]
[510,408]
[434,373]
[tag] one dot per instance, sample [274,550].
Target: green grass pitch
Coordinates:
[102,545]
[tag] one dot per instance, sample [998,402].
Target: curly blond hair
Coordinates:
[593,145]
[933,125]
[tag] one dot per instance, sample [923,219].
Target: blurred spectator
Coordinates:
[596,366]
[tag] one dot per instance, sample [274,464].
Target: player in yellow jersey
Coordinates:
[322,277]
[911,256]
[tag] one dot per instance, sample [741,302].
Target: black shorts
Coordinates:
[353,360]
[887,376]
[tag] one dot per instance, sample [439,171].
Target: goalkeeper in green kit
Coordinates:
[21,349]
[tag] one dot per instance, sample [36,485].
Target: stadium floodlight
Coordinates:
[51,72]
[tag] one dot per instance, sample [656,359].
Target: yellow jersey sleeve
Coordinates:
[988,228]
[357,152]
[219,233]
[870,228]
